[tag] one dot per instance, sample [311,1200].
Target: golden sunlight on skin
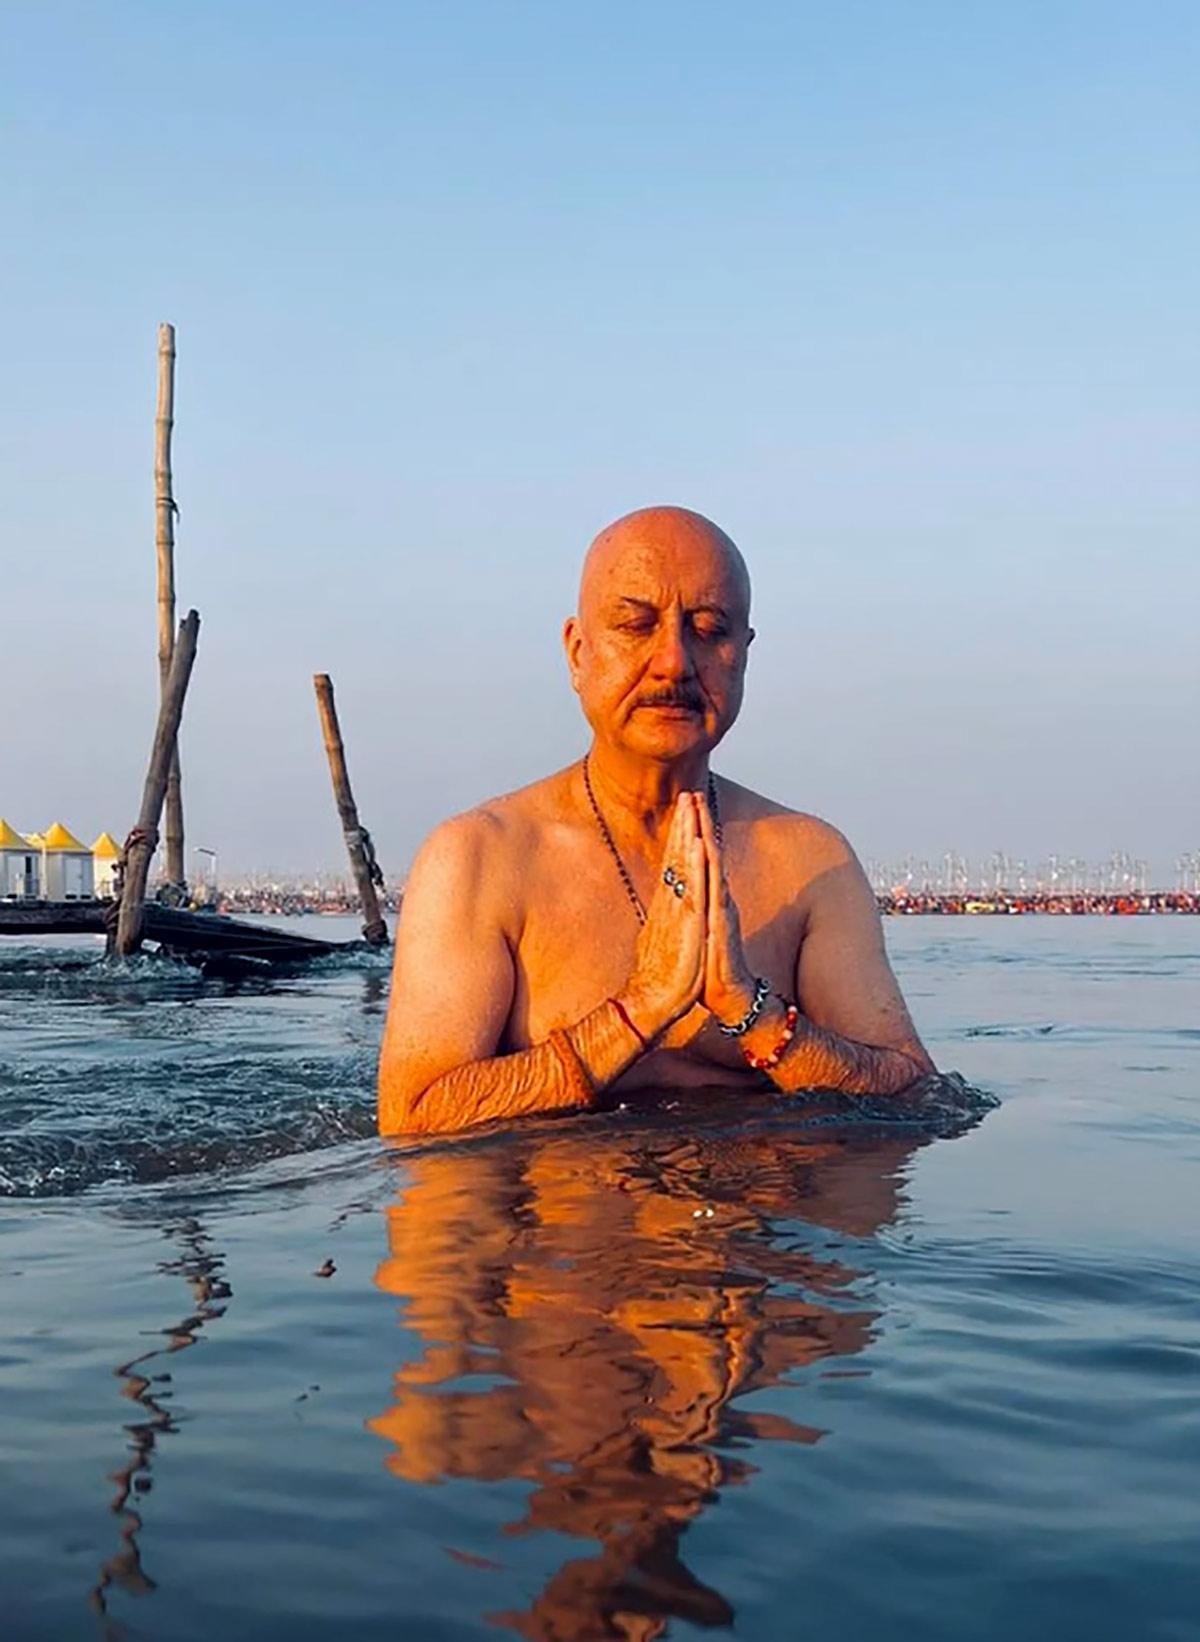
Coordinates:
[622,1320]
[675,578]
[543,964]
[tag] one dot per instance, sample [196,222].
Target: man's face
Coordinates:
[658,650]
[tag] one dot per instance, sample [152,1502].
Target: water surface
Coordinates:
[746,1366]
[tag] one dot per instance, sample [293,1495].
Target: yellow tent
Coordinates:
[106,848]
[57,837]
[10,838]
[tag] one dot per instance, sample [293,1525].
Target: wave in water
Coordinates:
[254,1114]
[143,1072]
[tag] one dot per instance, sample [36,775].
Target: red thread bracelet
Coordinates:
[628,1019]
[767,1063]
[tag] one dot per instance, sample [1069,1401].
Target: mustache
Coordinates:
[690,699]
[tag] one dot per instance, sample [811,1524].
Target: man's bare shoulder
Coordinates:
[792,844]
[496,833]
[777,829]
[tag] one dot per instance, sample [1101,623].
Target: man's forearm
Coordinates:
[540,1079]
[819,1059]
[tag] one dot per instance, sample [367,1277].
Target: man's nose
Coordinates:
[672,656]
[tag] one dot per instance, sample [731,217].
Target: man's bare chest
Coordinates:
[576,945]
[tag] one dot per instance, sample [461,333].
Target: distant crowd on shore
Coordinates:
[287,902]
[1004,902]
[341,900]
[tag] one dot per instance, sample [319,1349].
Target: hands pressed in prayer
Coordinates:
[690,950]
[728,982]
[669,970]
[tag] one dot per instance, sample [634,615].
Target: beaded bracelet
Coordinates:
[767,1063]
[762,991]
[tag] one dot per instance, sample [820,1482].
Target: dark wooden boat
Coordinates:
[206,939]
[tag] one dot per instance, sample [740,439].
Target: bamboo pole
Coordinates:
[164,542]
[143,839]
[358,840]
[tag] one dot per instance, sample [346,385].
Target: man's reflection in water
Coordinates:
[620,1292]
[202,1268]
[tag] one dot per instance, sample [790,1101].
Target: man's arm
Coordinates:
[452,990]
[854,1032]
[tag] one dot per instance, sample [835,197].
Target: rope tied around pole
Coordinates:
[368,874]
[147,836]
[359,838]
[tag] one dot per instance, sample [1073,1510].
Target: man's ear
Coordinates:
[572,639]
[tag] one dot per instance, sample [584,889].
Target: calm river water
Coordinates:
[930,1374]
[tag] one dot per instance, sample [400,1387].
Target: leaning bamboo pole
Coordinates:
[164,542]
[142,841]
[358,840]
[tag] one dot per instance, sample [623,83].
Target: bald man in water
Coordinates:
[635,924]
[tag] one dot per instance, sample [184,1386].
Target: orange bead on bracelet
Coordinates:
[767,1063]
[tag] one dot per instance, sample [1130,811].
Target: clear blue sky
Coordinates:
[904,296]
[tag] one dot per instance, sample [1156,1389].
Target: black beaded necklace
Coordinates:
[634,897]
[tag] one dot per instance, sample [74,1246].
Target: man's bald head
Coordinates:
[657,651]
[672,543]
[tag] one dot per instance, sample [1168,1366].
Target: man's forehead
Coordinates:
[638,595]
[662,554]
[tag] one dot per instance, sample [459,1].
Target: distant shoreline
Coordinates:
[994,904]
[1006,904]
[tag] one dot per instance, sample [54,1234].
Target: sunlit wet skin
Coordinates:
[623,1291]
[576,941]
[636,898]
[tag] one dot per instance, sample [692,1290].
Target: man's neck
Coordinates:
[637,795]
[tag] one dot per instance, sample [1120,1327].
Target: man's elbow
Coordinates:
[399,1109]
[390,1113]
[403,1108]
[921,1061]
[890,1071]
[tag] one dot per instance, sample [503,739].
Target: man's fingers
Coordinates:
[676,856]
[673,850]
[712,872]
[711,861]
[697,882]
[718,890]
[686,854]
[707,831]
[698,855]
[673,835]
[718,886]
[683,826]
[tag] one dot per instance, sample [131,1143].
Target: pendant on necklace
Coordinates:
[630,888]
